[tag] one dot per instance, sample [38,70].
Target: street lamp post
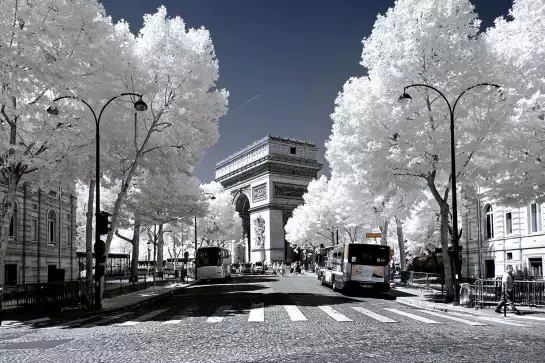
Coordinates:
[406,98]
[139,105]
[212,197]
[149,261]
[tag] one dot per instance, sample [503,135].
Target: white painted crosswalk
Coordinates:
[294,313]
[373,315]
[219,314]
[143,317]
[257,314]
[413,316]
[334,313]
[260,313]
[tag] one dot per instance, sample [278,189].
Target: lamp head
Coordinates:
[140,105]
[53,110]
[404,98]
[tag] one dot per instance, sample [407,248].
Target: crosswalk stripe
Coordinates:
[39,320]
[105,320]
[334,313]
[528,317]
[469,322]
[143,318]
[373,315]
[294,313]
[412,316]
[257,314]
[495,320]
[174,320]
[219,314]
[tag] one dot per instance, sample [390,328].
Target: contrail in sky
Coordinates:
[250,100]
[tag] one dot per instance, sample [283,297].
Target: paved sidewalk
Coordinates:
[423,299]
[120,302]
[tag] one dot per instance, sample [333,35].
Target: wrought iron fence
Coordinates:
[487,292]
[424,280]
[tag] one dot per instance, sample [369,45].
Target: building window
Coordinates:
[535,217]
[33,229]
[508,223]
[14,223]
[470,230]
[10,274]
[51,227]
[293,150]
[509,256]
[68,236]
[536,267]
[489,222]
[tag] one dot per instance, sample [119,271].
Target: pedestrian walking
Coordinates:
[282,269]
[507,291]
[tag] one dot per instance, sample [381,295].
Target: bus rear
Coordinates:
[213,263]
[367,265]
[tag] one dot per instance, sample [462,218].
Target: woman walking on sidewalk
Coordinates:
[507,291]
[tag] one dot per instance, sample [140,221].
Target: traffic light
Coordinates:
[100,251]
[103,223]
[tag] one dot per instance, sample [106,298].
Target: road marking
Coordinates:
[334,313]
[528,317]
[257,314]
[69,324]
[39,320]
[373,315]
[105,320]
[219,314]
[174,320]
[412,316]
[143,317]
[495,320]
[474,323]
[294,313]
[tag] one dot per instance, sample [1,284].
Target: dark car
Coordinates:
[246,268]
[235,268]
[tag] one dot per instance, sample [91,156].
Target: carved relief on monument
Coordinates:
[259,230]
[259,193]
[289,191]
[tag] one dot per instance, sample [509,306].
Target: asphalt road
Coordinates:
[274,319]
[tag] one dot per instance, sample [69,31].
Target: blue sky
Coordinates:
[295,54]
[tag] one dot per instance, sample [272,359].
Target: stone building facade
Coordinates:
[267,180]
[42,241]
[496,236]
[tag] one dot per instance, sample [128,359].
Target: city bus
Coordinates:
[320,260]
[213,263]
[357,265]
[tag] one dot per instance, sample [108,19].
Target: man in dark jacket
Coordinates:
[507,291]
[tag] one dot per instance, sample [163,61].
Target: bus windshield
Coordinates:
[364,254]
[208,257]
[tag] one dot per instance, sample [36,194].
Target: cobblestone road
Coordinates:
[274,319]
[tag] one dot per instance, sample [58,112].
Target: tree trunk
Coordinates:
[89,236]
[9,208]
[135,247]
[400,243]
[384,233]
[444,245]
[160,245]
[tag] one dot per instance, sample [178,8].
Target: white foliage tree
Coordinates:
[433,42]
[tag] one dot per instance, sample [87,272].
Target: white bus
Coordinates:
[356,265]
[213,263]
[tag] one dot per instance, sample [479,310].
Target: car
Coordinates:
[259,268]
[235,268]
[246,268]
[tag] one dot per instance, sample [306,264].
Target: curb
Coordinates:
[89,313]
[136,303]
[422,305]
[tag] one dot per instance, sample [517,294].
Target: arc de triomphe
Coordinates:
[267,180]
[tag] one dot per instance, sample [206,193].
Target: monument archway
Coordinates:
[267,180]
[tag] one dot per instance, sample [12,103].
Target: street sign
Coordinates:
[373,235]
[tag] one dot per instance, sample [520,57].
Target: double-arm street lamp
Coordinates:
[212,197]
[406,98]
[139,105]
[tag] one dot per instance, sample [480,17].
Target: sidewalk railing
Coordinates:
[487,292]
[423,280]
